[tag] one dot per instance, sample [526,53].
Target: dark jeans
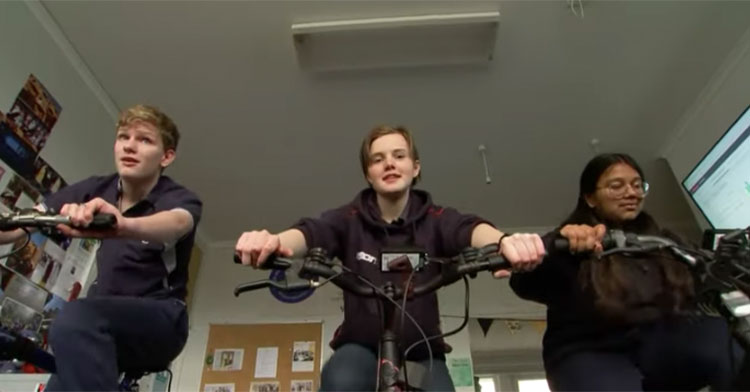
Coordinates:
[353,367]
[682,356]
[95,339]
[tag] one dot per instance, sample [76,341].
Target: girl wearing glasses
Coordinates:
[622,323]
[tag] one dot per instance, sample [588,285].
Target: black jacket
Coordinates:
[355,233]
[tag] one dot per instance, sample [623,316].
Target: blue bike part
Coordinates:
[289,297]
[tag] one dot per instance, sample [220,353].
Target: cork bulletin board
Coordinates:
[262,358]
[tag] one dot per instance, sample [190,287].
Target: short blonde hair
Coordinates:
[170,136]
[382,130]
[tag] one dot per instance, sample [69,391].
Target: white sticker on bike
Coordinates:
[362,256]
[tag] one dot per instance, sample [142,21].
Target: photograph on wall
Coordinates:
[14,151]
[45,178]
[17,316]
[228,359]
[303,356]
[301,386]
[49,265]
[25,256]
[67,281]
[218,388]
[19,194]
[34,112]
[264,386]
[26,292]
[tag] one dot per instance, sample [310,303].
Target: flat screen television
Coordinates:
[719,184]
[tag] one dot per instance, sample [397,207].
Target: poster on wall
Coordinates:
[45,178]
[266,359]
[303,356]
[16,153]
[35,111]
[218,388]
[461,372]
[19,194]
[228,359]
[264,386]
[25,256]
[301,386]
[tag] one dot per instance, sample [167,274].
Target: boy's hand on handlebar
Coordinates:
[254,247]
[584,238]
[81,215]
[523,251]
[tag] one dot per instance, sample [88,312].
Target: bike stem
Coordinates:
[389,366]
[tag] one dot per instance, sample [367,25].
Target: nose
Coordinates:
[389,162]
[129,144]
[632,191]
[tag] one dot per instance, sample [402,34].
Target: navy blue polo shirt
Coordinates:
[132,267]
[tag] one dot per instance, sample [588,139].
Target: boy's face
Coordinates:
[391,169]
[139,151]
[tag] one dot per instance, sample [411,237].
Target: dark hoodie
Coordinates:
[355,233]
[574,322]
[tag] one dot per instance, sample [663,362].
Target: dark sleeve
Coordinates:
[180,197]
[74,193]
[324,232]
[455,229]
[548,279]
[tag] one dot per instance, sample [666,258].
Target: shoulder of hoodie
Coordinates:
[352,209]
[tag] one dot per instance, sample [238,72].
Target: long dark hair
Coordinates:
[614,289]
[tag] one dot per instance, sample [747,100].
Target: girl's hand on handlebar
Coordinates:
[254,247]
[523,251]
[584,238]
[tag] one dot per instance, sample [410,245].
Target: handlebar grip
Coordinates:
[560,244]
[498,263]
[103,221]
[272,262]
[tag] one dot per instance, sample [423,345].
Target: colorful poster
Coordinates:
[34,113]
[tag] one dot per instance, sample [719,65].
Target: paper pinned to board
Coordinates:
[265,362]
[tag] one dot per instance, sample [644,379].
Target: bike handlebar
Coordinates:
[317,264]
[37,219]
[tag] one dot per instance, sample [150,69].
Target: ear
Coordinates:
[417,168]
[590,200]
[167,158]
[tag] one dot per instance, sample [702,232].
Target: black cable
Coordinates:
[395,303]
[20,248]
[455,331]
[403,310]
[406,296]
[169,385]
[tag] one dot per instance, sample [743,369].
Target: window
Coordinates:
[532,385]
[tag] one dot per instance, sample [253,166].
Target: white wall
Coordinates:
[80,142]
[720,103]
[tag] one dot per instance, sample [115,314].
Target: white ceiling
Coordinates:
[265,142]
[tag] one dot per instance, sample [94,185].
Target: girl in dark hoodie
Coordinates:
[387,214]
[622,323]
